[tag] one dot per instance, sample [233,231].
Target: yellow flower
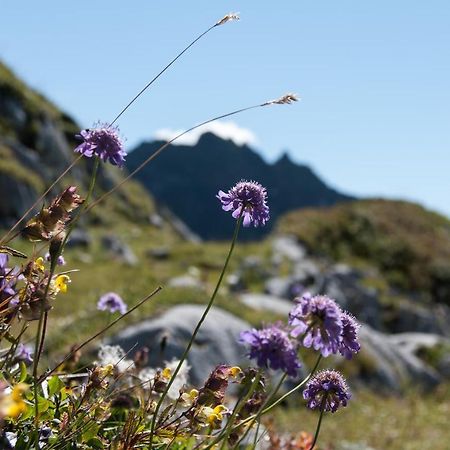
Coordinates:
[213,416]
[39,264]
[61,282]
[12,405]
[235,371]
[167,373]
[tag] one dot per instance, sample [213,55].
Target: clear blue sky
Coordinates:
[374,77]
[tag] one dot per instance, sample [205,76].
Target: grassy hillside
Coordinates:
[408,244]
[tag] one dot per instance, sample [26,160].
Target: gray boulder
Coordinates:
[343,284]
[391,361]
[168,335]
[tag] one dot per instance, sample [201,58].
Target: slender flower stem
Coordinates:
[6,238]
[282,398]
[236,411]
[160,73]
[96,335]
[198,326]
[316,435]
[164,146]
[54,260]
[259,413]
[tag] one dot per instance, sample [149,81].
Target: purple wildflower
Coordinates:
[250,196]
[8,278]
[327,390]
[319,319]
[103,141]
[112,302]
[350,328]
[271,347]
[23,353]
[60,261]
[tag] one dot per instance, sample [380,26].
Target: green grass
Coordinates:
[413,422]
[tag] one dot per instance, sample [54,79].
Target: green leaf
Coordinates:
[95,443]
[23,372]
[55,385]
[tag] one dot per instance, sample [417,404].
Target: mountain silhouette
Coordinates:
[186,179]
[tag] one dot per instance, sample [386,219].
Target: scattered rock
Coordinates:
[263,302]
[119,249]
[186,281]
[160,253]
[156,220]
[288,247]
[343,284]
[79,238]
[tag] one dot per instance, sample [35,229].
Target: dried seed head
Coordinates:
[228,18]
[285,100]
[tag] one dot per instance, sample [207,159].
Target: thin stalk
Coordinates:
[316,434]
[160,73]
[236,411]
[282,398]
[164,146]
[54,260]
[96,335]
[258,414]
[198,326]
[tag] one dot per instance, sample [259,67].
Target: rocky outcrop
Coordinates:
[167,336]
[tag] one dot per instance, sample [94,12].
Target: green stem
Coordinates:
[42,324]
[236,411]
[282,398]
[258,414]
[316,435]
[197,328]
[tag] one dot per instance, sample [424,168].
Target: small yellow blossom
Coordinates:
[213,416]
[235,371]
[12,405]
[39,264]
[61,282]
[188,398]
[167,373]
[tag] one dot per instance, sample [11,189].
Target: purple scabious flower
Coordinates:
[319,320]
[103,141]
[23,353]
[350,328]
[327,391]
[112,302]
[272,347]
[249,196]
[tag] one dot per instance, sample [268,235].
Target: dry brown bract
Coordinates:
[285,100]
[228,18]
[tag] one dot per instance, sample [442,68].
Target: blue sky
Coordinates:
[374,78]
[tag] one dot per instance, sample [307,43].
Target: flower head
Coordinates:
[326,391]
[60,261]
[319,319]
[115,356]
[350,328]
[61,283]
[8,278]
[249,199]
[112,302]
[23,353]
[103,141]
[271,347]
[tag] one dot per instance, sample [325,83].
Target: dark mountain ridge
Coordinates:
[187,178]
